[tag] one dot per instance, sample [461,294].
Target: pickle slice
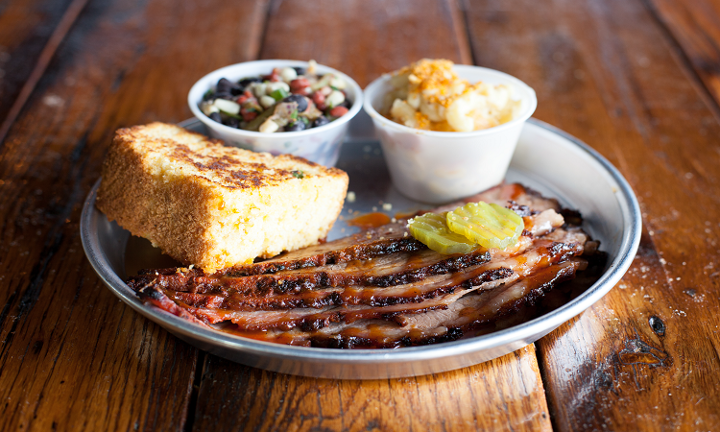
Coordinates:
[432,230]
[489,225]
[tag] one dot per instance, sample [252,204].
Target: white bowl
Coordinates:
[437,167]
[320,145]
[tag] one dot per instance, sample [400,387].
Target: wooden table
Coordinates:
[637,80]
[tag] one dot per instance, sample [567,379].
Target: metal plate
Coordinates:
[546,159]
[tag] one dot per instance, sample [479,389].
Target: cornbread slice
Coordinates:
[212,205]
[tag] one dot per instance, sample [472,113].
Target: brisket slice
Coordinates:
[430,287]
[390,238]
[383,240]
[459,319]
[415,292]
[155,296]
[522,199]
[309,319]
[489,305]
[388,270]
[384,270]
[543,253]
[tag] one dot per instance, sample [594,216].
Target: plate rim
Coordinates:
[542,325]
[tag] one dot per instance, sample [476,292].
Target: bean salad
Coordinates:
[288,99]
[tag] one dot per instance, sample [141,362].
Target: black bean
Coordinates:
[216,116]
[320,121]
[232,122]
[294,127]
[346,103]
[227,86]
[224,95]
[300,100]
[299,70]
[223,85]
[247,81]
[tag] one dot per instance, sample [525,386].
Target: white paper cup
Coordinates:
[437,167]
[320,145]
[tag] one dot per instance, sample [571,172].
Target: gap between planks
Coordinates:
[46,55]
[458,10]
[683,59]
[460,19]
[256,42]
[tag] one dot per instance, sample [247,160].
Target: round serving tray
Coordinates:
[547,159]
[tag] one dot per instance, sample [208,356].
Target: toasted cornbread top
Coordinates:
[172,151]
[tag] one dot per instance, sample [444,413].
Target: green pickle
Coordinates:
[433,232]
[489,225]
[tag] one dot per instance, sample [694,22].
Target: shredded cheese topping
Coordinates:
[431,96]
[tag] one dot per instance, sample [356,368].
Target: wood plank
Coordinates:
[29,31]
[695,26]
[72,356]
[503,394]
[646,356]
[365,39]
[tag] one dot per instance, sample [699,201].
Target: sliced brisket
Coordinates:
[379,288]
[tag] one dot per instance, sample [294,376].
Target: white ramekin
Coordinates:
[437,167]
[320,145]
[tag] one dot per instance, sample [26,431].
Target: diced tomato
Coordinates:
[338,111]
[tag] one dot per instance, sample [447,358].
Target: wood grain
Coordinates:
[365,38]
[607,73]
[695,26]
[72,356]
[646,357]
[26,28]
[503,394]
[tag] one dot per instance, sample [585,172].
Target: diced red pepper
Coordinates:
[299,85]
[275,75]
[247,96]
[248,115]
[338,111]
